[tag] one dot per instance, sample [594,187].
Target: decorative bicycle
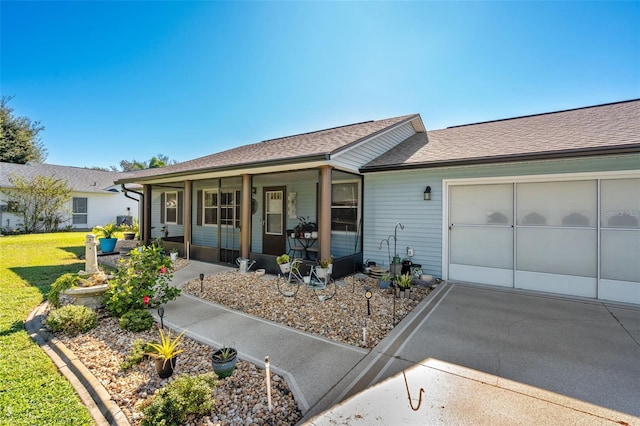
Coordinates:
[322,284]
[289,284]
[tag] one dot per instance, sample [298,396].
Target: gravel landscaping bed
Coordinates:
[241,399]
[341,318]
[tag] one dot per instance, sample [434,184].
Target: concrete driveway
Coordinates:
[583,349]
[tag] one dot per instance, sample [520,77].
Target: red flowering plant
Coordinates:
[141,281]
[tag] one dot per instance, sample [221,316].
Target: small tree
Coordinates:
[19,141]
[40,201]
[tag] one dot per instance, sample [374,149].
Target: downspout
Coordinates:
[137,200]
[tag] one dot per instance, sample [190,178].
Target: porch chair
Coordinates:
[294,246]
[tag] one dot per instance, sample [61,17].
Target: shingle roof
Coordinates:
[296,147]
[79,179]
[577,131]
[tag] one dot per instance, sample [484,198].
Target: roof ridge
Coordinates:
[335,127]
[543,113]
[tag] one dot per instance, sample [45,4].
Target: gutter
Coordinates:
[574,153]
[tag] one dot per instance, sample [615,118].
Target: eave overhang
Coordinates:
[570,153]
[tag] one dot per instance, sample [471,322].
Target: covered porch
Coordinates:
[260,216]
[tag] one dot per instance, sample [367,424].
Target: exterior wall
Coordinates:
[156,226]
[202,235]
[355,158]
[392,197]
[102,208]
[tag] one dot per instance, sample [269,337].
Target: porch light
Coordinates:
[427,193]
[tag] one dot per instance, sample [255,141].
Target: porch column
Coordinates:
[324,213]
[245,216]
[145,226]
[188,193]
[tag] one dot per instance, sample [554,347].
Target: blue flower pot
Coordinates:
[108,245]
[224,368]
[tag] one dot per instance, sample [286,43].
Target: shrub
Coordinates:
[64,282]
[136,320]
[136,355]
[72,319]
[185,395]
[141,281]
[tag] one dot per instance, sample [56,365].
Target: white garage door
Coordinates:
[578,237]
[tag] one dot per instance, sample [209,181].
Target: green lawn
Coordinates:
[32,392]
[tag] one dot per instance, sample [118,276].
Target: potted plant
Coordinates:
[384,280]
[224,361]
[284,261]
[325,267]
[165,353]
[173,254]
[130,231]
[403,283]
[107,236]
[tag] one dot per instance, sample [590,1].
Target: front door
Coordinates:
[273,235]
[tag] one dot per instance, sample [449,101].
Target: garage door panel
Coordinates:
[555,283]
[572,203]
[482,246]
[620,255]
[557,251]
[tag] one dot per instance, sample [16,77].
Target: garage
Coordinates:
[575,235]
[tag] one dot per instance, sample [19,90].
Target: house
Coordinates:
[95,199]
[548,202]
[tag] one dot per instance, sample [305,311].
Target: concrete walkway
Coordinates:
[312,365]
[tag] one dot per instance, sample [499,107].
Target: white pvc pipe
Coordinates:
[364,335]
[266,369]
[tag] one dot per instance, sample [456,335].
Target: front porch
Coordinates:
[206,219]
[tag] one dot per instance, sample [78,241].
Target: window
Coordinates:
[12,206]
[229,208]
[79,214]
[344,206]
[171,207]
[210,207]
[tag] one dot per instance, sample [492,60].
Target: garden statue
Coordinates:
[91,255]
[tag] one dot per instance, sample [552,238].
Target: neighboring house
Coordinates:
[95,199]
[547,202]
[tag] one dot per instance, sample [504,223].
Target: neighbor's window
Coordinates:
[345,206]
[79,214]
[12,206]
[171,207]
[210,207]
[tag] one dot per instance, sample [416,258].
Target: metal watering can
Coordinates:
[245,264]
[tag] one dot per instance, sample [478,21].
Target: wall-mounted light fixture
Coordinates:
[427,193]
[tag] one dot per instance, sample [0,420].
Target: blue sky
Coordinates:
[128,80]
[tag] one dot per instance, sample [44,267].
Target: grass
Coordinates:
[31,389]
